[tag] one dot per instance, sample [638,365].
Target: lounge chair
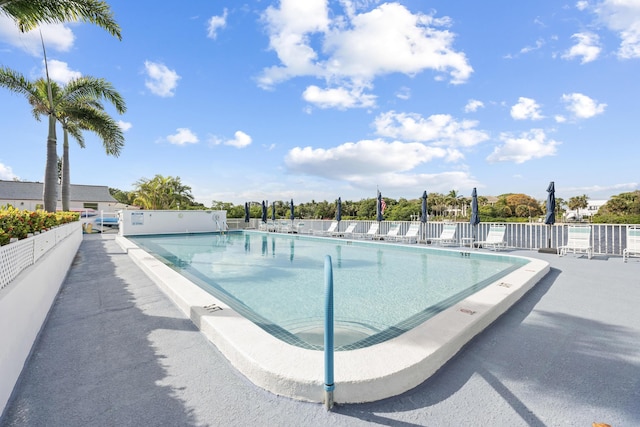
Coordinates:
[411,236]
[495,238]
[348,232]
[633,242]
[284,227]
[392,234]
[372,233]
[578,241]
[300,228]
[328,232]
[447,237]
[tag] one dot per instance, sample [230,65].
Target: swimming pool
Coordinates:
[277,282]
[363,374]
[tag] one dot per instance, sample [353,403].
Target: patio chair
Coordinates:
[372,233]
[349,231]
[411,236]
[328,232]
[633,242]
[392,234]
[300,228]
[447,237]
[578,241]
[495,238]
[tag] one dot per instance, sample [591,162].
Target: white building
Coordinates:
[29,195]
[579,214]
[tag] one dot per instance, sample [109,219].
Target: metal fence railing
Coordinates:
[609,239]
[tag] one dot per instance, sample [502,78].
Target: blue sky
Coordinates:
[317,99]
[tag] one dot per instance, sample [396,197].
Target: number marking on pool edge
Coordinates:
[504,284]
[467,311]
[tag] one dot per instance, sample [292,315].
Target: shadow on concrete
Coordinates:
[536,353]
[92,364]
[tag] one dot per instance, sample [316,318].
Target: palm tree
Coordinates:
[162,193]
[28,14]
[40,95]
[78,109]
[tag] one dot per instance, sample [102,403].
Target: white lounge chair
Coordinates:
[495,238]
[348,232]
[332,228]
[411,236]
[447,237]
[372,233]
[578,241]
[633,242]
[300,228]
[392,234]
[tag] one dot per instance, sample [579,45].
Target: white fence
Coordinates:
[607,239]
[17,256]
[31,273]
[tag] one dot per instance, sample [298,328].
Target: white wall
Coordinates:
[25,303]
[170,222]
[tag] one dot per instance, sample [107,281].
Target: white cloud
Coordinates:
[161,80]
[351,50]
[581,106]
[438,129]
[623,17]
[60,72]
[56,36]
[538,45]
[125,126]
[527,146]
[587,47]
[404,93]
[362,158]
[473,105]
[560,118]
[215,23]
[6,173]
[182,137]
[526,108]
[240,140]
[582,5]
[340,98]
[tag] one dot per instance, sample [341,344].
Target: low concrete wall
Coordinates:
[25,303]
[170,222]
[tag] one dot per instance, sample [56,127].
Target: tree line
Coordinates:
[169,192]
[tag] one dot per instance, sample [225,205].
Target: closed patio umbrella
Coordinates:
[339,212]
[550,217]
[423,216]
[291,215]
[475,216]
[273,211]
[264,212]
[379,208]
[246,212]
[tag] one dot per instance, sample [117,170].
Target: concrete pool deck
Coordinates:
[117,351]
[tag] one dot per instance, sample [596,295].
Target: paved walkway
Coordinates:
[117,352]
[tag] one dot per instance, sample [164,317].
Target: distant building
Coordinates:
[579,214]
[29,195]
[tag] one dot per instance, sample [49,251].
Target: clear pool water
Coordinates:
[277,281]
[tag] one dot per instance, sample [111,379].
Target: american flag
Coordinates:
[383,205]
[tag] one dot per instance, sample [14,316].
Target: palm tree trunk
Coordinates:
[50,193]
[66,179]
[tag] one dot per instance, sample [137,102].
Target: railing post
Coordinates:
[329,385]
